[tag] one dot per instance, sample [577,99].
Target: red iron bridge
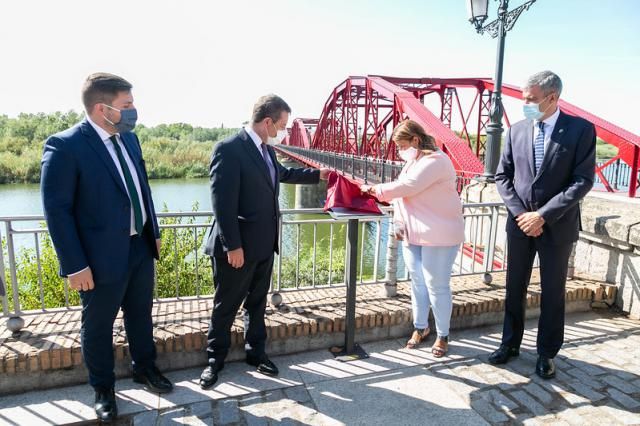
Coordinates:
[353,132]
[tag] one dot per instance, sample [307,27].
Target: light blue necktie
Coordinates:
[538,147]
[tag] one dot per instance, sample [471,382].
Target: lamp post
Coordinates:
[506,19]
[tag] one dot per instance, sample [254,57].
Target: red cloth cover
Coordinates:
[341,192]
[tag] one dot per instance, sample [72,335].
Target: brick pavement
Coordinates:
[309,319]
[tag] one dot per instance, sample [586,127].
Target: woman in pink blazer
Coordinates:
[428,220]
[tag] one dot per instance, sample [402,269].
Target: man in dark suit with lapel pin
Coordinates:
[245,185]
[98,207]
[547,167]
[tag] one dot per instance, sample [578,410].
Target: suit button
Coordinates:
[274,217]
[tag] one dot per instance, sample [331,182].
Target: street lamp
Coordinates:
[506,19]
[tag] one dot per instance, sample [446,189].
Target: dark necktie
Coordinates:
[131,186]
[267,160]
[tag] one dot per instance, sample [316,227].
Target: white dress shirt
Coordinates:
[549,125]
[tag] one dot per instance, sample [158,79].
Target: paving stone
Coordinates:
[621,415]
[585,390]
[488,411]
[620,384]
[625,400]
[572,416]
[499,400]
[585,378]
[145,419]
[589,369]
[527,401]
[537,391]
[298,394]
[227,412]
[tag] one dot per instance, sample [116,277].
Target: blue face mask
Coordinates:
[128,119]
[532,111]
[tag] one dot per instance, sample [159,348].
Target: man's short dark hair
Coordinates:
[102,87]
[269,106]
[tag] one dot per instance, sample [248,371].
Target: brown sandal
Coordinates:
[440,347]
[416,337]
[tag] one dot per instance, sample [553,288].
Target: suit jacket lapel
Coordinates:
[98,146]
[554,143]
[255,155]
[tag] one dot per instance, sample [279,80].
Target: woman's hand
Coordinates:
[399,230]
[366,189]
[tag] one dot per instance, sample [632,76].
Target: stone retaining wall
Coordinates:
[609,248]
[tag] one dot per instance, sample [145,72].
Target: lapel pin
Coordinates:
[561,130]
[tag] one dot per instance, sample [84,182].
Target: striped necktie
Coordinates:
[538,147]
[131,186]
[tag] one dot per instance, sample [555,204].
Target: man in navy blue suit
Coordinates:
[98,207]
[245,185]
[547,167]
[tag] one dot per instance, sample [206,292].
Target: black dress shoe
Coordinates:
[502,354]
[264,364]
[105,406]
[545,367]
[153,380]
[209,375]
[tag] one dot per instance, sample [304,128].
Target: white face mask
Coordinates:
[408,154]
[280,135]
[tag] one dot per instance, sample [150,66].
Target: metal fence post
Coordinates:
[3,285]
[351,350]
[15,322]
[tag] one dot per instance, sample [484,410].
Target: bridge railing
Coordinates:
[312,255]
[617,173]
[366,169]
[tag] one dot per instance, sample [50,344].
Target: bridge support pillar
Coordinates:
[311,196]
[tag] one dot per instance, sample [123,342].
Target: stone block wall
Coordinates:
[609,247]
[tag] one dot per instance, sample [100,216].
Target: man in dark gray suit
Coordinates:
[547,167]
[245,184]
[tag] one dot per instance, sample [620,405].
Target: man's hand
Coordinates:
[236,258]
[82,281]
[158,245]
[324,173]
[530,223]
[535,233]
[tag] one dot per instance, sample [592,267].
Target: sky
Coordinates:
[205,62]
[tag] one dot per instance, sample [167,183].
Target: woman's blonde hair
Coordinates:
[409,129]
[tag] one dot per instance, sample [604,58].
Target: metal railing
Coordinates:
[618,174]
[312,255]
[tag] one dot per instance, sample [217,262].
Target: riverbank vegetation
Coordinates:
[176,150]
